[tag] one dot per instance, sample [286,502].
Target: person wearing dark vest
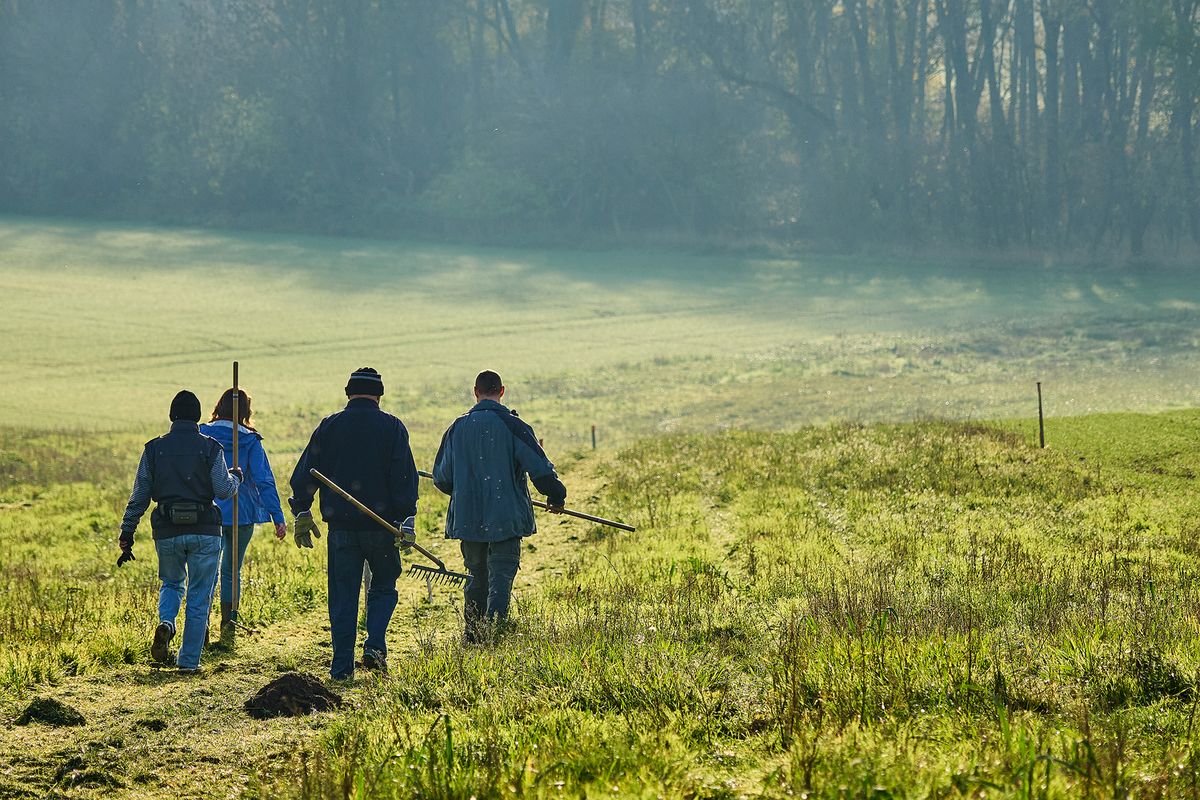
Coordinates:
[482,464]
[364,450]
[183,472]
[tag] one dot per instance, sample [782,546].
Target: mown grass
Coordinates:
[934,609]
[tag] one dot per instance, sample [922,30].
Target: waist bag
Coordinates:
[183,513]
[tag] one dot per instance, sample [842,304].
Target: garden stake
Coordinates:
[1041,422]
[233,558]
[431,575]
[539,504]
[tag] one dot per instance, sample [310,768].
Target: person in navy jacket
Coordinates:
[258,499]
[365,450]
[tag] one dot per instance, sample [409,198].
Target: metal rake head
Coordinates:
[435,575]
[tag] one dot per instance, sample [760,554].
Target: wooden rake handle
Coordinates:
[578,514]
[387,525]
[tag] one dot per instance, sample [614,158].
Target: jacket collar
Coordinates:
[490,405]
[228,423]
[184,425]
[362,402]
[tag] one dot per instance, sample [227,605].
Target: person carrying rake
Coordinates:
[482,463]
[365,450]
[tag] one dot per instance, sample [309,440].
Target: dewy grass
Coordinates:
[909,609]
[906,610]
[928,608]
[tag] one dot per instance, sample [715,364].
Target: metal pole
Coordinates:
[233,558]
[1041,419]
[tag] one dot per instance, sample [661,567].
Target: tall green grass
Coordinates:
[919,610]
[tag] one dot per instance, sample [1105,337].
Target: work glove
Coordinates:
[126,554]
[408,535]
[241,476]
[304,529]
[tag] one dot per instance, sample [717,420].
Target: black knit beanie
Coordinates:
[185,406]
[365,380]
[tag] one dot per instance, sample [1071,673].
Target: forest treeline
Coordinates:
[994,123]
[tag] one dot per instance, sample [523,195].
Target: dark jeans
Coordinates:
[493,566]
[348,551]
[227,571]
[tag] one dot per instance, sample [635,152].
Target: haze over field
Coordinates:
[800,265]
[100,323]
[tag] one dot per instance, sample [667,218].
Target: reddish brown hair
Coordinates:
[224,408]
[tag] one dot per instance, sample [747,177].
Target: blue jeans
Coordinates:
[348,551]
[493,567]
[227,571]
[190,559]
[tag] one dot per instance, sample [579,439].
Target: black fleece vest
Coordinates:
[181,465]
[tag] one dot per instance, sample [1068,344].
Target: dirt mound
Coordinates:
[48,711]
[292,694]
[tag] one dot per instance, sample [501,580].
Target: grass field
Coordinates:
[843,583]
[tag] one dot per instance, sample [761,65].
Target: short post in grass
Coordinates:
[593,437]
[1041,419]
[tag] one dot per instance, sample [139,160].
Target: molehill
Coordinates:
[48,711]
[292,694]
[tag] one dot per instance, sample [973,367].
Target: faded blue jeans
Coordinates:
[227,573]
[190,559]
[348,551]
[493,567]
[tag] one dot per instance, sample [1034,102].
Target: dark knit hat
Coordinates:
[365,380]
[185,406]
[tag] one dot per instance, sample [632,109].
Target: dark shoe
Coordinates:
[159,648]
[189,671]
[375,660]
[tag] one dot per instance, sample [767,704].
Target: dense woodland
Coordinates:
[1051,124]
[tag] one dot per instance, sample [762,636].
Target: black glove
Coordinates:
[237,471]
[126,555]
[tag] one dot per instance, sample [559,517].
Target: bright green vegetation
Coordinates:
[917,610]
[931,608]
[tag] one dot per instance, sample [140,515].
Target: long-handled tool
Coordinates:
[441,574]
[234,561]
[567,511]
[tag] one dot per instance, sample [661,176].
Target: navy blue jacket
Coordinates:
[482,464]
[364,450]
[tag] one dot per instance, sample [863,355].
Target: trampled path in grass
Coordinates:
[153,733]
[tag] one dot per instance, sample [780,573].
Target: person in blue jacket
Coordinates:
[258,499]
[365,450]
[482,463]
